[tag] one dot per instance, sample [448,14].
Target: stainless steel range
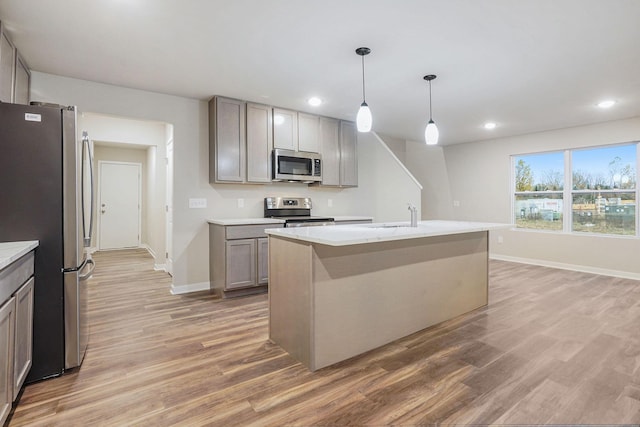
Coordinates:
[296,211]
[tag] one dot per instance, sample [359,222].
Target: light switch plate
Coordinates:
[197,203]
[241,203]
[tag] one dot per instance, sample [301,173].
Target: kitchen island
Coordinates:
[339,291]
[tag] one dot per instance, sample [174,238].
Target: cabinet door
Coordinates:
[241,263]
[227,128]
[7,64]
[308,133]
[330,150]
[21,83]
[285,129]
[263,260]
[24,335]
[348,155]
[7,330]
[259,142]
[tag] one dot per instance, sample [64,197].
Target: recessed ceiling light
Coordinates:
[606,104]
[314,101]
[490,125]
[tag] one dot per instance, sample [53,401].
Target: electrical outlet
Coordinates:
[330,203]
[500,239]
[197,203]
[241,203]
[456,203]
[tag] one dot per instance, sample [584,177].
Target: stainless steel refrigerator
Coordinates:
[46,190]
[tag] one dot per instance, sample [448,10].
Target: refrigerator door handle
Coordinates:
[88,274]
[86,145]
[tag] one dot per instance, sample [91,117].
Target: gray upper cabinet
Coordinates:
[227,153]
[259,142]
[7,65]
[308,133]
[348,154]
[285,129]
[21,82]
[338,145]
[330,150]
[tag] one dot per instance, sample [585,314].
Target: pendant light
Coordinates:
[363,119]
[431,133]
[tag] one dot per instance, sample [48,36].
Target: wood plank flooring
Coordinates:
[552,347]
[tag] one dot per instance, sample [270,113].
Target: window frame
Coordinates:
[568,192]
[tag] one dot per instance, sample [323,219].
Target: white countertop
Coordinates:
[245,221]
[13,251]
[356,234]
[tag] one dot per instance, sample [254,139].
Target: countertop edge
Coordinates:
[407,234]
[13,251]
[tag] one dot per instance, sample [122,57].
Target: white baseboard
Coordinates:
[188,288]
[92,249]
[160,267]
[573,267]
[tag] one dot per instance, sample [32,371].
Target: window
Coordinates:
[604,190]
[539,189]
[599,183]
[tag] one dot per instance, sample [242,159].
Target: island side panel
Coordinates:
[368,295]
[290,297]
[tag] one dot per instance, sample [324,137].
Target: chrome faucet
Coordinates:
[414,215]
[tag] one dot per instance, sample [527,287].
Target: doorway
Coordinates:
[119,205]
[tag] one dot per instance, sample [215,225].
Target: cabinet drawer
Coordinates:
[249,231]
[14,275]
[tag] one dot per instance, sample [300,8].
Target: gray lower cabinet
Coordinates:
[16,329]
[354,221]
[240,263]
[238,259]
[263,260]
[24,335]
[7,330]
[339,149]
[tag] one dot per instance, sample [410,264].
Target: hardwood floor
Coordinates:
[552,347]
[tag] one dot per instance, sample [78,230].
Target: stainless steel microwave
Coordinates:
[288,165]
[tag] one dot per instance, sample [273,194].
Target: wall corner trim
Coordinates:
[189,287]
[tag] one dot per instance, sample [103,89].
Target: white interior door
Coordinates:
[119,211]
[169,208]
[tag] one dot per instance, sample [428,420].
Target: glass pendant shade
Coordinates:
[364,119]
[431,133]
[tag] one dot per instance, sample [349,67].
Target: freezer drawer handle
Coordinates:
[90,273]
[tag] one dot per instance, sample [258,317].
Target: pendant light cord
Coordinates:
[430,115]
[363,97]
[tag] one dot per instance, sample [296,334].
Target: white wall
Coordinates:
[427,165]
[479,175]
[383,192]
[116,136]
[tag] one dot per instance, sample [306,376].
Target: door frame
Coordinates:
[169,208]
[99,220]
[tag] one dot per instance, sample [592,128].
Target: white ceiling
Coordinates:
[528,65]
